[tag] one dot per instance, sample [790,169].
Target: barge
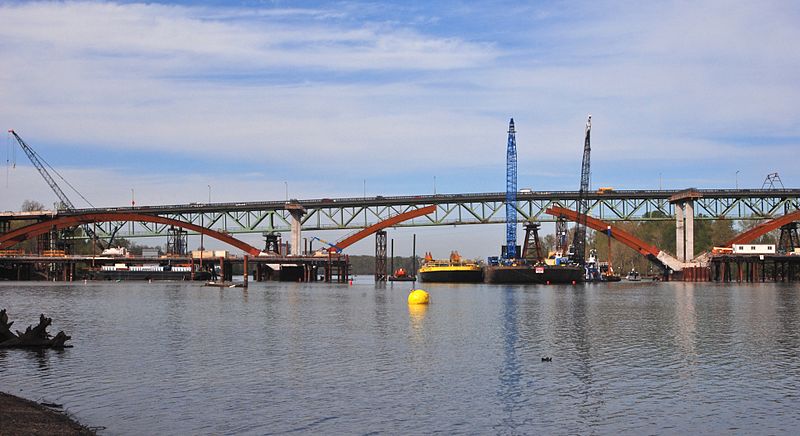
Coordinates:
[120,272]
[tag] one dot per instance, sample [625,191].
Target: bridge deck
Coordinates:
[352,213]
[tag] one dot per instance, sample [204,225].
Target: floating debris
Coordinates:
[33,337]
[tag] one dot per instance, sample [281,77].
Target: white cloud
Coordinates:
[322,93]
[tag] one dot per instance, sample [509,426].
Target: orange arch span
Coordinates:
[33,230]
[350,240]
[602,226]
[763,228]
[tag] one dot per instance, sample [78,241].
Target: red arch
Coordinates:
[616,233]
[33,230]
[763,228]
[350,240]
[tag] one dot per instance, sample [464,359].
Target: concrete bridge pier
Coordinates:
[296,211]
[684,223]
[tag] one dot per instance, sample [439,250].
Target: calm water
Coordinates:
[174,358]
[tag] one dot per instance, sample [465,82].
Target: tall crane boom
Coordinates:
[40,166]
[511,193]
[579,241]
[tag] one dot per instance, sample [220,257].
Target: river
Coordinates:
[180,358]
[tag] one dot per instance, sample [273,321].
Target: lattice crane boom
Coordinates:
[40,166]
[579,241]
[511,193]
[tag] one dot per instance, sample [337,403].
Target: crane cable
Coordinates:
[61,177]
[8,157]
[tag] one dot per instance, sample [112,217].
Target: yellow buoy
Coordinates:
[418,296]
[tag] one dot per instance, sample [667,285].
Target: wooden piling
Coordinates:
[246,272]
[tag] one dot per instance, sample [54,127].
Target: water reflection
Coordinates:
[686,322]
[510,391]
[183,359]
[788,334]
[416,314]
[591,396]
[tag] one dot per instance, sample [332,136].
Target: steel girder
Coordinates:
[452,209]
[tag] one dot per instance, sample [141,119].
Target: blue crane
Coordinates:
[511,193]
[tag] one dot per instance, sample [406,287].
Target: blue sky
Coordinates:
[170,97]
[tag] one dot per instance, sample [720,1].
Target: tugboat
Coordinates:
[607,273]
[592,269]
[599,271]
[454,270]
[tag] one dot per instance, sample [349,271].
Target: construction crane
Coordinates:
[42,165]
[511,193]
[578,252]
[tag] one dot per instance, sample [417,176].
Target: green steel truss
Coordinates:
[452,209]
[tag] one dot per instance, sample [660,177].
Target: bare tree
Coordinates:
[31,205]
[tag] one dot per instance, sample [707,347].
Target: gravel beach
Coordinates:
[19,416]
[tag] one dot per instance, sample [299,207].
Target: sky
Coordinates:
[173,102]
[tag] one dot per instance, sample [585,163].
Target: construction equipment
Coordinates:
[41,166]
[773,181]
[333,247]
[511,194]
[562,237]
[578,252]
[532,250]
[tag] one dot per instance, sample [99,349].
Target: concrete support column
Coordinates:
[296,210]
[688,230]
[680,252]
[296,234]
[684,223]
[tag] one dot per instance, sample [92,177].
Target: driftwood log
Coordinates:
[33,337]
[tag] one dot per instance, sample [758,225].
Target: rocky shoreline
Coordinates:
[19,416]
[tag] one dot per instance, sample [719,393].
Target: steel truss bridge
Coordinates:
[451,209]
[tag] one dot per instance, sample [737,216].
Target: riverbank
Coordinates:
[19,416]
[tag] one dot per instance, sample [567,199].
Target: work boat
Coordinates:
[633,276]
[454,270]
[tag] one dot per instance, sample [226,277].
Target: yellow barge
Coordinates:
[454,270]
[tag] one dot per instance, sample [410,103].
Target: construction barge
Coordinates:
[452,270]
[535,274]
[68,268]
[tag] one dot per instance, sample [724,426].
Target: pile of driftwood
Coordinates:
[34,337]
